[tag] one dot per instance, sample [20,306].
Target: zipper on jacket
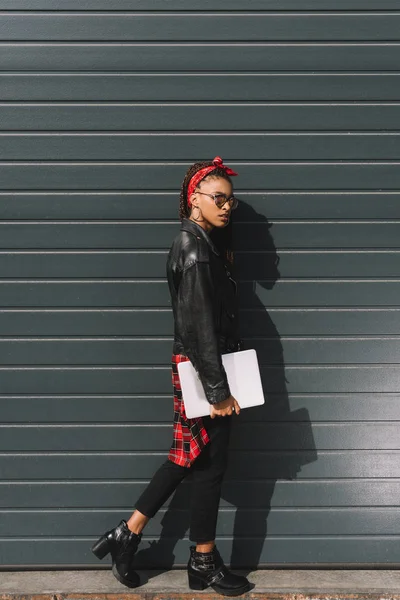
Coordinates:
[229,276]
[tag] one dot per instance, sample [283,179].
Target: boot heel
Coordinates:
[101,548]
[195,583]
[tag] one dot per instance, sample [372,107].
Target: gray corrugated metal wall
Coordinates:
[103,105]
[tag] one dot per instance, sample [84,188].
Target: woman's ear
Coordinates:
[193,199]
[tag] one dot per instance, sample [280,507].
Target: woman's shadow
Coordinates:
[269,442]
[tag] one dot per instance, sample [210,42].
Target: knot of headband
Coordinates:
[201,173]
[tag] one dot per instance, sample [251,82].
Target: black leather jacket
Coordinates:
[204,303]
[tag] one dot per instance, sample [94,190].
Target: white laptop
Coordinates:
[244,380]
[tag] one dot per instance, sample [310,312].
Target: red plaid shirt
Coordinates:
[190,435]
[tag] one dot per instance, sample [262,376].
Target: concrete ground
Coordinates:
[269,584]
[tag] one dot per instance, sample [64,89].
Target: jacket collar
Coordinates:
[192,227]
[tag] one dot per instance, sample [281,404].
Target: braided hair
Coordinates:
[222,238]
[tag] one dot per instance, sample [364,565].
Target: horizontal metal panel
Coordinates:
[90,409]
[164,205]
[87,86]
[202,27]
[260,235]
[257,265]
[67,523]
[107,351]
[85,380]
[83,264]
[167,176]
[247,116]
[131,351]
[174,146]
[122,494]
[189,56]
[85,293]
[61,409]
[242,465]
[105,322]
[367,292]
[319,351]
[250,552]
[257,437]
[157,380]
[159,322]
[120,293]
[203,5]
[130,438]
[157,351]
[320,321]
[296,264]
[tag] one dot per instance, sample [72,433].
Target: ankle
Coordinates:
[137,522]
[205,546]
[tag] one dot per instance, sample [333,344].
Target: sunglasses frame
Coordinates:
[227,199]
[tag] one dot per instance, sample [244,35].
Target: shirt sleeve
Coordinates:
[196,322]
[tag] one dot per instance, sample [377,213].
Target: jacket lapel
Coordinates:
[195,229]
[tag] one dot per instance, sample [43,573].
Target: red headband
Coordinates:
[197,177]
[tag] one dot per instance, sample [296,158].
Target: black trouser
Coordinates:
[207,474]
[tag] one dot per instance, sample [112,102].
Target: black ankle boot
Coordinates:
[122,543]
[208,569]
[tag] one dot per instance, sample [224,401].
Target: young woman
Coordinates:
[203,296]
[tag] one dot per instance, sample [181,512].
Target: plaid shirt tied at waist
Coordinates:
[189,435]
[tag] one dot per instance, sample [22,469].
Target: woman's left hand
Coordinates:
[225,408]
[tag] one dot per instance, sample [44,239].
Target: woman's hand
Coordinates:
[224,408]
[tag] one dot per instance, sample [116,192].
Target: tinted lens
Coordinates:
[220,200]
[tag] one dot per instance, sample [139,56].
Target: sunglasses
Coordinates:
[220,199]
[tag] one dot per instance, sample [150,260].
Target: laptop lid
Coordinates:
[244,380]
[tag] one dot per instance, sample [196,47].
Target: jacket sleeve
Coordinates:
[196,322]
